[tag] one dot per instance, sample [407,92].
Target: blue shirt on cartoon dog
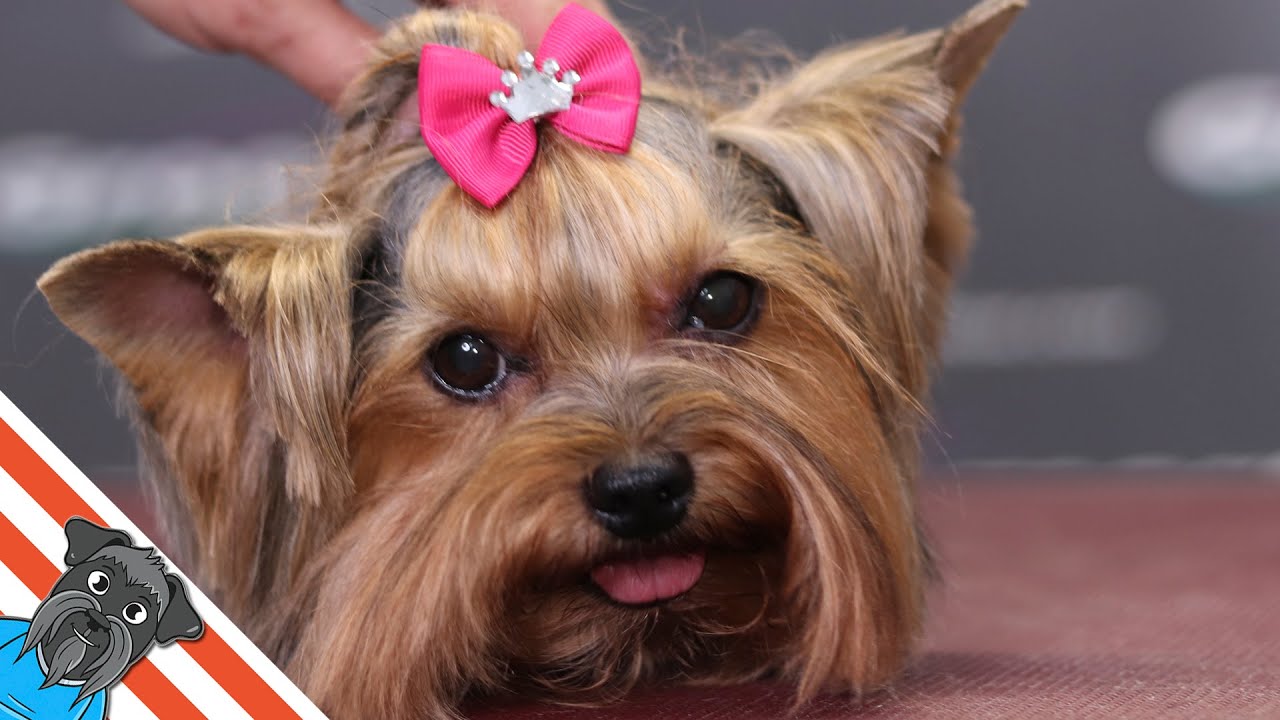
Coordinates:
[21,677]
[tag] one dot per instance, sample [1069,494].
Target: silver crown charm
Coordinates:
[535,93]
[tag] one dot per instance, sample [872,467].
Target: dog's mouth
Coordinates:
[83,639]
[650,578]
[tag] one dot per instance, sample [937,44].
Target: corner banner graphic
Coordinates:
[84,598]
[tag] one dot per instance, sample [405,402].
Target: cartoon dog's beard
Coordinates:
[53,612]
[112,663]
[62,660]
[109,667]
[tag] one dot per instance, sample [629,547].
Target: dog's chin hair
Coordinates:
[62,660]
[604,653]
[53,612]
[112,664]
[106,669]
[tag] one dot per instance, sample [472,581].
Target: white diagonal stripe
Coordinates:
[15,599]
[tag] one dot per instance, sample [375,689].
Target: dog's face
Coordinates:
[654,416]
[114,602]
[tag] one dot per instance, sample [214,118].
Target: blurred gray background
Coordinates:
[1123,159]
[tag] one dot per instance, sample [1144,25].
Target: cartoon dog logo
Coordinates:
[112,605]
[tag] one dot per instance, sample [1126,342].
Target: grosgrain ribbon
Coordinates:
[482,148]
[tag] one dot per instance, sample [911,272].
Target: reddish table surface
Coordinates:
[1066,597]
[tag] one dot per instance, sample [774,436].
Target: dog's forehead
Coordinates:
[616,233]
[141,568]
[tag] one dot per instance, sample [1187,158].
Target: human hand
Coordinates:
[319,44]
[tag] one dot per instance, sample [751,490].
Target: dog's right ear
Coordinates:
[236,346]
[151,308]
[84,539]
[179,621]
[220,328]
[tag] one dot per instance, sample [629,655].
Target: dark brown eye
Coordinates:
[467,365]
[725,303]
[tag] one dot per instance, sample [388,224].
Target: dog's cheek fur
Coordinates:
[436,550]
[855,568]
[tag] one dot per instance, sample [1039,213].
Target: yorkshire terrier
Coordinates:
[523,409]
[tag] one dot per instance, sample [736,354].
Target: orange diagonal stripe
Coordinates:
[38,574]
[217,658]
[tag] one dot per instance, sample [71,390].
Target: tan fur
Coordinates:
[396,549]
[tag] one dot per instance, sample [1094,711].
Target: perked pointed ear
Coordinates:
[857,138]
[179,621]
[84,539]
[965,47]
[142,301]
[967,43]
[217,326]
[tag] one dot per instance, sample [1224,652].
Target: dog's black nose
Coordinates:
[96,622]
[644,499]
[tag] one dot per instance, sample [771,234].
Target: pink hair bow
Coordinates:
[479,120]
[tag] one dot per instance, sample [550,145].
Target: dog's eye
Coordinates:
[725,303]
[134,613]
[467,365]
[99,583]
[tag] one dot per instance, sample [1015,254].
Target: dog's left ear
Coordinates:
[179,621]
[860,138]
[964,48]
[84,539]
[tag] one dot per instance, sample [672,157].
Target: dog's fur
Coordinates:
[395,549]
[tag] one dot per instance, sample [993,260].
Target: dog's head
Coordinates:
[114,602]
[654,415]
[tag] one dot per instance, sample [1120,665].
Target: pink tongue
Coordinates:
[637,582]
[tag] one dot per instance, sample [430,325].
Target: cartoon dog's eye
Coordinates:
[134,613]
[726,302]
[99,583]
[467,366]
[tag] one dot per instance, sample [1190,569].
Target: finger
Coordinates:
[319,45]
[178,20]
